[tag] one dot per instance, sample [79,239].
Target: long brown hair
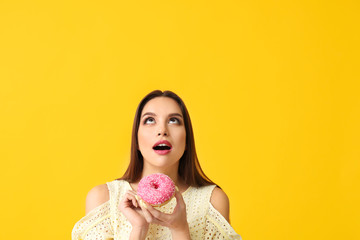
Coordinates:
[189,166]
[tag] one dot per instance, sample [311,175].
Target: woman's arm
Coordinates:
[220,201]
[138,233]
[96,196]
[183,234]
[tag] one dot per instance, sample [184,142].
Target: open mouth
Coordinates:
[161,147]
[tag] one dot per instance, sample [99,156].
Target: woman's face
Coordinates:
[161,119]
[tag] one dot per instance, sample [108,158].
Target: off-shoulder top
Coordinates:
[107,222]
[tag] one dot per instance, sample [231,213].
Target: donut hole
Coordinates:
[155,185]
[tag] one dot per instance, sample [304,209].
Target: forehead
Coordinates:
[162,105]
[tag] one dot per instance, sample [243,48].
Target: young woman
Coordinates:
[200,209]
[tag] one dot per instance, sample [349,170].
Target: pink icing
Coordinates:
[156,189]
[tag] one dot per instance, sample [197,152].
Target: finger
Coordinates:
[134,198]
[134,202]
[142,203]
[180,203]
[133,192]
[124,202]
[130,198]
[146,213]
[128,193]
[161,216]
[179,198]
[127,197]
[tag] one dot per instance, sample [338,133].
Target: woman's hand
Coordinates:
[176,221]
[130,207]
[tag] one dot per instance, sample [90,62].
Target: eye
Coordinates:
[175,119]
[149,118]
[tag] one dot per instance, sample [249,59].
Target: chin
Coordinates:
[162,162]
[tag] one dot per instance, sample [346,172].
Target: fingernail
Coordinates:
[177,189]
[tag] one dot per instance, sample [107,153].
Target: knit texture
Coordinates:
[107,222]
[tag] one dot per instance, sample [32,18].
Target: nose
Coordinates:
[163,131]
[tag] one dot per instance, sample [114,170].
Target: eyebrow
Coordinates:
[153,114]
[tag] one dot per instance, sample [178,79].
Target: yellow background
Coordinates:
[272,88]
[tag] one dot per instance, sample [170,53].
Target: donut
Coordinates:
[156,189]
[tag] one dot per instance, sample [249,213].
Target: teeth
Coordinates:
[162,145]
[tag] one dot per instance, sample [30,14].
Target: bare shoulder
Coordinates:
[220,201]
[96,196]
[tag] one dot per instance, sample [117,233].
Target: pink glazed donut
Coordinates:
[156,189]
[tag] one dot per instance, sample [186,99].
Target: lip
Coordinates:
[163,152]
[163,141]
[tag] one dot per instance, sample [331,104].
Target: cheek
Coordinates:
[144,137]
[182,137]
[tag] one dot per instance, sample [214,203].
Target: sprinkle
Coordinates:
[156,189]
